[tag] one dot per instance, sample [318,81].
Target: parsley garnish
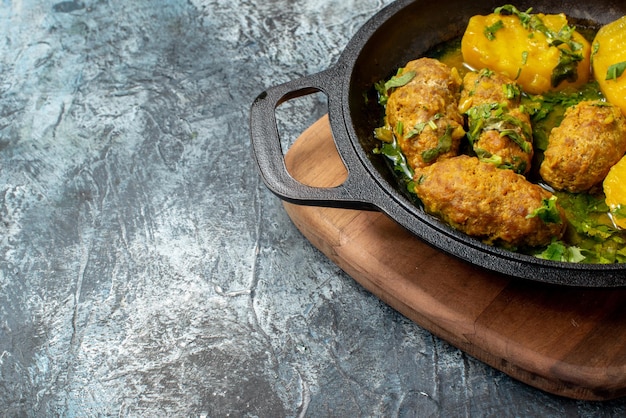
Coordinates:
[583,212]
[524,17]
[444,144]
[548,212]
[495,117]
[393,152]
[478,117]
[511,91]
[490,31]
[567,68]
[594,49]
[524,62]
[558,251]
[615,71]
[487,157]
[398,80]
[419,128]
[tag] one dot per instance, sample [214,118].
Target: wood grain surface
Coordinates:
[563,340]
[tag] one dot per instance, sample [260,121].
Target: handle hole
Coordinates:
[313,159]
[295,115]
[306,140]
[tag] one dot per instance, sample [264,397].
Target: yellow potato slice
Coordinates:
[609,55]
[504,44]
[615,190]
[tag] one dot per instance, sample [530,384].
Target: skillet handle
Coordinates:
[269,154]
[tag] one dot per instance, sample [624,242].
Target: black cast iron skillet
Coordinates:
[403,31]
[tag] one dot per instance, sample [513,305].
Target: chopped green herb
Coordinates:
[393,152]
[398,80]
[587,214]
[567,67]
[485,72]
[559,251]
[490,31]
[419,128]
[524,62]
[548,212]
[615,71]
[524,57]
[444,144]
[595,48]
[477,116]
[519,132]
[487,157]
[383,95]
[495,117]
[512,91]
[399,128]
[524,17]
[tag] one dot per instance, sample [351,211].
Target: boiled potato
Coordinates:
[615,191]
[609,61]
[522,51]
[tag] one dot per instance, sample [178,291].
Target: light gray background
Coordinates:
[145,270]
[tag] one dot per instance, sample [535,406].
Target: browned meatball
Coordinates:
[486,86]
[424,113]
[499,132]
[581,150]
[489,203]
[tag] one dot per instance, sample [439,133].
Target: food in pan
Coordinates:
[541,52]
[581,150]
[609,61]
[614,186]
[423,111]
[540,137]
[499,130]
[498,206]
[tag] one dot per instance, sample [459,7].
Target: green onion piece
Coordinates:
[399,128]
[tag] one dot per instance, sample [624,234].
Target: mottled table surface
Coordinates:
[145,269]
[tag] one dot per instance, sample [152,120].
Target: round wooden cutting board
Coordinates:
[564,340]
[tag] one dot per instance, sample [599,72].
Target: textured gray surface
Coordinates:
[146,271]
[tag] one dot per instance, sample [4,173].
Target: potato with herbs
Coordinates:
[423,113]
[581,150]
[499,131]
[494,205]
[609,61]
[614,186]
[540,52]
